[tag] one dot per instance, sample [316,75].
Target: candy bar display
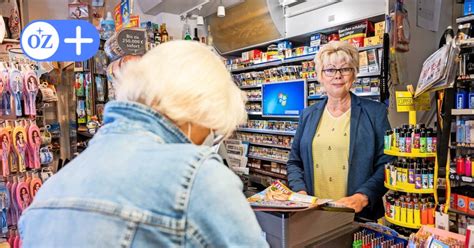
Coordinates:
[272,125]
[410,174]
[409,209]
[410,139]
[254,94]
[281,73]
[266,152]
[281,140]
[253,107]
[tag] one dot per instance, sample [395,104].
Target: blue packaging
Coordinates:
[461,99]
[471,100]
[468,7]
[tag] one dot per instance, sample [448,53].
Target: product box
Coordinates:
[468,7]
[283,45]
[303,228]
[317,40]
[372,41]
[372,60]
[251,55]
[379,29]
[356,34]
[313,49]
[301,50]
[363,62]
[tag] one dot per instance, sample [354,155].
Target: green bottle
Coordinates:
[187,36]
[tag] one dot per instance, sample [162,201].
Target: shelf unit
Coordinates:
[270,145]
[267,159]
[462,112]
[454,211]
[268,173]
[464,179]
[407,225]
[265,131]
[463,19]
[462,145]
[409,155]
[410,189]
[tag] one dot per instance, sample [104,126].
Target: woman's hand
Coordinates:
[356,201]
[302,192]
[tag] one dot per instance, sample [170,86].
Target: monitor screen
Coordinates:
[284,99]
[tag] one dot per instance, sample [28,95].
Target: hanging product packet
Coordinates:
[30,91]
[16,85]
[6,92]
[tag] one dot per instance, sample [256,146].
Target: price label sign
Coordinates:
[406,102]
[132,41]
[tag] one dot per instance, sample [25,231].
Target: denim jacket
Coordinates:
[141,183]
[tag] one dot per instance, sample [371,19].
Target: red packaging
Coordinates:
[462,203]
[470,207]
[460,166]
[334,36]
[357,33]
[453,201]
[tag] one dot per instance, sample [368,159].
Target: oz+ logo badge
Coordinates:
[40,40]
[60,40]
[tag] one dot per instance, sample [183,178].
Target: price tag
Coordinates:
[467,179]
[406,102]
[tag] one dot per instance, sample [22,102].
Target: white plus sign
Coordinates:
[78,40]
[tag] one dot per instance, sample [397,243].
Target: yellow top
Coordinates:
[331,155]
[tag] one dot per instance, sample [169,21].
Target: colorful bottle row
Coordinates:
[465,166]
[464,131]
[410,209]
[410,173]
[410,139]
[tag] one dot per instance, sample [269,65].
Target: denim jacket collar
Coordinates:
[116,112]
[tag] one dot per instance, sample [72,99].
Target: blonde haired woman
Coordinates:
[337,151]
[149,177]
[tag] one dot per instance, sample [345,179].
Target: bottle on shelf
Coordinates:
[209,39]
[157,35]
[196,37]
[187,35]
[164,33]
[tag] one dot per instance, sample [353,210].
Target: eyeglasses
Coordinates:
[346,71]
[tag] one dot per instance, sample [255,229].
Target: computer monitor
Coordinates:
[284,99]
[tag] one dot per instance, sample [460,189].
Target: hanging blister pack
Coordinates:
[4,204]
[5,152]
[31,91]
[6,93]
[16,85]
[34,141]
[19,142]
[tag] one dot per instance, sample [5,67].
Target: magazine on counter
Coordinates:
[278,197]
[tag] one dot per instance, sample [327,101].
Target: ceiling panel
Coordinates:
[153,7]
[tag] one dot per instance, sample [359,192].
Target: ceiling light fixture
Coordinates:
[221,10]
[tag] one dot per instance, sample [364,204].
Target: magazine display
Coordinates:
[279,197]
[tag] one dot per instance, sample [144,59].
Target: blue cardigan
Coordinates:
[366,158]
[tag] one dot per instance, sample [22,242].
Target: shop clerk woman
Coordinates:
[337,151]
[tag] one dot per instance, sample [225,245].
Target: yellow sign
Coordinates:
[406,102]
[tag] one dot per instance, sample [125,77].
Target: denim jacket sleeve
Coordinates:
[218,212]
[373,188]
[294,166]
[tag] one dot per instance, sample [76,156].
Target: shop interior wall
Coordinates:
[423,43]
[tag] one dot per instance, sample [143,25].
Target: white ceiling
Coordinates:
[154,7]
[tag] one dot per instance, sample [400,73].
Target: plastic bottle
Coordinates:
[108,25]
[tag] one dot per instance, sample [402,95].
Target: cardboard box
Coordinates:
[372,41]
[363,62]
[317,39]
[379,28]
[299,229]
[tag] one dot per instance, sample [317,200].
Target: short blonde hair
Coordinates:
[186,82]
[335,51]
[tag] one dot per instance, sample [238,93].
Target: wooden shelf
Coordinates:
[253,130]
[270,145]
[268,173]
[398,223]
[250,86]
[267,159]
[460,212]
[370,47]
[408,189]
[410,155]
